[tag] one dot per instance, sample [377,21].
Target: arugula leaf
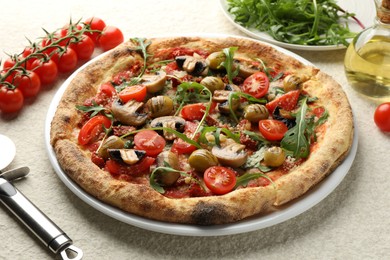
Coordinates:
[244,179]
[165,170]
[295,139]
[304,22]
[228,63]
[95,109]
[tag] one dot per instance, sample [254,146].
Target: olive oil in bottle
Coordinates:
[367,60]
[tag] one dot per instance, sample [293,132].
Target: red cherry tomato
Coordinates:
[95,23]
[84,48]
[256,85]
[28,83]
[220,180]
[180,146]
[136,92]
[26,52]
[193,111]
[8,63]
[92,129]
[107,89]
[11,100]
[272,130]
[46,70]
[110,38]
[382,117]
[66,61]
[150,142]
[287,101]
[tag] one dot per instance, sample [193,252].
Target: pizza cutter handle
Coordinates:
[37,222]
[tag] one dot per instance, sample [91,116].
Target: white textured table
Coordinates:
[353,222]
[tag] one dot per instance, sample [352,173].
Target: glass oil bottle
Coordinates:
[367,60]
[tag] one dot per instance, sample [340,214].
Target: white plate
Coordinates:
[363,9]
[258,222]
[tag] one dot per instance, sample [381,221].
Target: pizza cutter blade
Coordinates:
[34,219]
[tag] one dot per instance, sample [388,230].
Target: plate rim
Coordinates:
[255,33]
[293,209]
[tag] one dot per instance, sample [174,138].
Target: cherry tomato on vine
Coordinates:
[256,85]
[84,48]
[287,101]
[95,23]
[110,38]
[92,129]
[26,52]
[272,130]
[220,180]
[8,63]
[11,100]
[66,61]
[136,92]
[382,117]
[149,141]
[28,83]
[46,70]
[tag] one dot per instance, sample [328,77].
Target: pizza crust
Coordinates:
[141,199]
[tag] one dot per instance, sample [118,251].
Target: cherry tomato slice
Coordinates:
[220,180]
[110,38]
[272,130]
[136,92]
[256,85]
[107,89]
[92,129]
[149,141]
[181,147]
[287,101]
[382,117]
[11,100]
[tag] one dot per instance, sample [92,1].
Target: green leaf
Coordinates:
[295,139]
[244,179]
[228,63]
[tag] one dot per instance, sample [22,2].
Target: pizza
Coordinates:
[199,130]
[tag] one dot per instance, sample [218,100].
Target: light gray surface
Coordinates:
[353,222]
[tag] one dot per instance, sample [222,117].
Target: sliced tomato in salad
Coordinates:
[220,180]
[150,142]
[256,85]
[93,128]
[272,130]
[287,101]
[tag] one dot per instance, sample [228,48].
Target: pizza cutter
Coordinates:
[34,219]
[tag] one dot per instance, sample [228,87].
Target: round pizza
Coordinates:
[200,130]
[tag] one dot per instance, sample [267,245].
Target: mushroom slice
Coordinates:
[193,65]
[174,122]
[167,178]
[128,113]
[154,82]
[233,154]
[128,156]
[246,67]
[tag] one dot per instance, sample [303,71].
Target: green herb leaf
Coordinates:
[244,179]
[295,139]
[228,63]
